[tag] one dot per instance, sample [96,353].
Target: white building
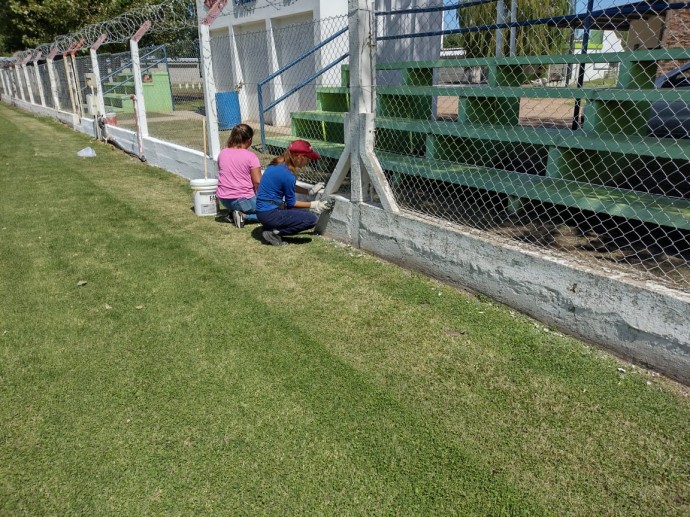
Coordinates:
[253,39]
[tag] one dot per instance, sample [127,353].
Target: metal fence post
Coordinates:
[500,19]
[513,30]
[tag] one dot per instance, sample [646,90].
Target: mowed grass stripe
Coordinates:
[312,379]
[81,386]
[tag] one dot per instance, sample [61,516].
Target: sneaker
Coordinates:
[273,238]
[237,218]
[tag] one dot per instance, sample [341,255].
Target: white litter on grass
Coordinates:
[87,152]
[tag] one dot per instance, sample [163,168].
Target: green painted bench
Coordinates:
[569,167]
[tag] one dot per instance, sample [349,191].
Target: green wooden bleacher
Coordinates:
[568,167]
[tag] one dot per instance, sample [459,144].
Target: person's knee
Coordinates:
[246,206]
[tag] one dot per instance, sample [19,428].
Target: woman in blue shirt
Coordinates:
[277,207]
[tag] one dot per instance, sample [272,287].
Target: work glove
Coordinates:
[315,190]
[324,205]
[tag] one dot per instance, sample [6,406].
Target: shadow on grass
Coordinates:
[291,239]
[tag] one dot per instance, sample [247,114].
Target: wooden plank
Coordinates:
[321,116]
[608,57]
[539,92]
[579,139]
[649,208]
[332,89]
[567,138]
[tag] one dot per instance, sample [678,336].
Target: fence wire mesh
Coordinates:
[548,135]
[291,79]
[65,92]
[45,85]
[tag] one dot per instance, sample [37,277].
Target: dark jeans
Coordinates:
[289,221]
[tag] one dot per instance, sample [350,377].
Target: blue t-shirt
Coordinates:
[277,186]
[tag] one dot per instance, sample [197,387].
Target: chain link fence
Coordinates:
[287,78]
[65,92]
[45,84]
[561,126]
[532,123]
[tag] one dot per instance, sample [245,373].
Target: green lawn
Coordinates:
[196,371]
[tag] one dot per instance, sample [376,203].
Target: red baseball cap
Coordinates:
[303,148]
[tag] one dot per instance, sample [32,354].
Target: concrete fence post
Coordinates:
[358,157]
[96,70]
[142,123]
[363,106]
[5,87]
[68,76]
[20,86]
[39,82]
[28,83]
[208,78]
[51,78]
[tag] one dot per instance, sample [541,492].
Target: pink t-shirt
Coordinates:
[234,173]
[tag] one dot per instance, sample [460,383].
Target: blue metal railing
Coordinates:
[301,85]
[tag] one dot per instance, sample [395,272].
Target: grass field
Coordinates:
[155,362]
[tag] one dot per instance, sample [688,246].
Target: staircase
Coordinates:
[157,93]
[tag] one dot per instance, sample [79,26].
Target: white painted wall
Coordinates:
[611,43]
[289,35]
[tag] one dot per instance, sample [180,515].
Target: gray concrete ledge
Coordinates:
[640,321]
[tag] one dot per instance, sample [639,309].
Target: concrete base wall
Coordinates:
[174,158]
[642,322]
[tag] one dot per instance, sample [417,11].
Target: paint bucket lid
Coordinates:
[203,183]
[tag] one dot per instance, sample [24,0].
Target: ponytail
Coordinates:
[287,158]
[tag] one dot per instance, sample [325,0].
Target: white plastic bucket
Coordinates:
[204,196]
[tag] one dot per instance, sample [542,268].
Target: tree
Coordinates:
[530,40]
[31,23]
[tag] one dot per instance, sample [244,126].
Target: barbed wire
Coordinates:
[166,16]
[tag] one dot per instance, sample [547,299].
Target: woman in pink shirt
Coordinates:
[239,174]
